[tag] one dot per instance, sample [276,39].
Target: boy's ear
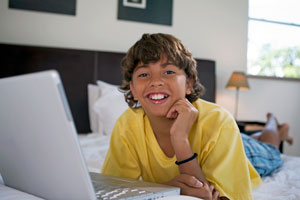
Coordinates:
[189,85]
[133,91]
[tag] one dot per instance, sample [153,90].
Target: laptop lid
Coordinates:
[39,150]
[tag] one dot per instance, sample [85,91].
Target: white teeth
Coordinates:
[157,97]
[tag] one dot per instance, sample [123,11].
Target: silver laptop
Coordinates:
[39,148]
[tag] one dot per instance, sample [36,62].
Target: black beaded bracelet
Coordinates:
[187,160]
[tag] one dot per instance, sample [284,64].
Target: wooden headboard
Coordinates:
[78,68]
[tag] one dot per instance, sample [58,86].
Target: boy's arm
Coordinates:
[184,151]
[184,114]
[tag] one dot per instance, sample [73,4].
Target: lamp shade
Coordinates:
[238,80]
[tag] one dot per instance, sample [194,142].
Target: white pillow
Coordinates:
[93,94]
[108,107]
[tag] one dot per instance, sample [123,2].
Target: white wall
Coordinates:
[211,29]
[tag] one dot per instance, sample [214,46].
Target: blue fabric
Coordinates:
[263,156]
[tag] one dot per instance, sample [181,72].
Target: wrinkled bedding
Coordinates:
[282,184]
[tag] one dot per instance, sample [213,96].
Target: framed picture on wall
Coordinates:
[66,7]
[135,3]
[151,11]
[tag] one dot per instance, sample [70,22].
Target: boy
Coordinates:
[171,136]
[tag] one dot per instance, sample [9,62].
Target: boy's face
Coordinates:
[157,86]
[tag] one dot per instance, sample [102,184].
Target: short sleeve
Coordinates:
[226,165]
[121,159]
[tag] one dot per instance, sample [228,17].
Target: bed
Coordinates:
[90,79]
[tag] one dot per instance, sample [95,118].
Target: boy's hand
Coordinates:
[184,114]
[191,186]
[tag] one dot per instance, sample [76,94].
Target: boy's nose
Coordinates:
[156,81]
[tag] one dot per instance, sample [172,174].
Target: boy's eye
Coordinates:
[170,72]
[143,75]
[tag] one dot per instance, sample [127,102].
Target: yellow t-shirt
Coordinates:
[134,151]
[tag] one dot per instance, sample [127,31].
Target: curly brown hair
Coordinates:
[149,49]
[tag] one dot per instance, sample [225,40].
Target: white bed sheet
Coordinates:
[94,147]
[283,184]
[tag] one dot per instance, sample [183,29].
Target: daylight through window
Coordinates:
[274,38]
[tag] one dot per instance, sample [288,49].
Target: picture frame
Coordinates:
[135,3]
[154,12]
[66,7]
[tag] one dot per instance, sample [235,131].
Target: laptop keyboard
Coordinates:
[106,192]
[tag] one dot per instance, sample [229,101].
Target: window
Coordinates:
[274,38]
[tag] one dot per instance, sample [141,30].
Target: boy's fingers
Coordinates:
[173,111]
[198,184]
[190,181]
[172,114]
[215,195]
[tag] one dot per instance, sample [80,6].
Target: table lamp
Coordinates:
[238,81]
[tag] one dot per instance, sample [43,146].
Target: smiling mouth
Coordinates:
[157,98]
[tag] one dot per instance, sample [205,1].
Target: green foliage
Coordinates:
[284,62]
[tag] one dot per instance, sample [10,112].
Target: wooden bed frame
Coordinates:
[78,68]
